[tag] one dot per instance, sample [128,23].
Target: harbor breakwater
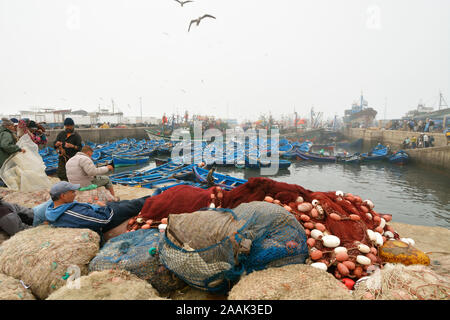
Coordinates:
[103,135]
[437,156]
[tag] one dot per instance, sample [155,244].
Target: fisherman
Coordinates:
[100,217]
[413,142]
[8,140]
[15,121]
[68,143]
[425,141]
[406,143]
[210,177]
[14,218]
[431,141]
[420,141]
[430,125]
[36,132]
[80,169]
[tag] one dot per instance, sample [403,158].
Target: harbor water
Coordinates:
[412,194]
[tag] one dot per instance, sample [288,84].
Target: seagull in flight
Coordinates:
[183,2]
[199,19]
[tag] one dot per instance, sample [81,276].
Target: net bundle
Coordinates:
[343,215]
[210,249]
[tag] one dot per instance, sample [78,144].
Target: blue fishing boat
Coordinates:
[224,181]
[316,157]
[400,157]
[166,171]
[380,152]
[352,159]
[123,161]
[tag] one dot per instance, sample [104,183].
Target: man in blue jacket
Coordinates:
[65,212]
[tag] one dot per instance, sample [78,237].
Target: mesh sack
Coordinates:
[211,249]
[131,252]
[43,256]
[25,171]
[400,282]
[13,289]
[198,249]
[91,196]
[292,282]
[107,285]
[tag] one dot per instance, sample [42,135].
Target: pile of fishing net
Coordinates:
[344,231]
[137,253]
[292,282]
[107,285]
[400,282]
[28,199]
[210,249]
[94,195]
[13,289]
[44,257]
[186,199]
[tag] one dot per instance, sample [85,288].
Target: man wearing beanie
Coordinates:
[67,143]
[7,140]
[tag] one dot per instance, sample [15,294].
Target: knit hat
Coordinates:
[69,122]
[6,122]
[32,125]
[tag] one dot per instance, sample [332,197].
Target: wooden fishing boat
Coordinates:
[123,161]
[400,157]
[159,161]
[224,181]
[380,152]
[314,157]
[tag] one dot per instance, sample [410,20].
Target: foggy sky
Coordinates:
[257,56]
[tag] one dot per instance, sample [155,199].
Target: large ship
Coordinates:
[360,114]
[422,112]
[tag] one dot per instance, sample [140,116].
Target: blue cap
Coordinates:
[69,122]
[14,120]
[63,186]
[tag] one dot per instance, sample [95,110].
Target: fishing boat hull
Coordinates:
[400,158]
[314,157]
[124,161]
[220,180]
[160,162]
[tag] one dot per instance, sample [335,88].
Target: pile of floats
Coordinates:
[351,260]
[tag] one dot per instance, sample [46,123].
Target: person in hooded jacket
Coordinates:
[99,217]
[8,140]
[14,217]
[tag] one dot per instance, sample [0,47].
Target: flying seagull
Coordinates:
[199,19]
[183,2]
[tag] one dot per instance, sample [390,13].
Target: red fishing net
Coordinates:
[345,216]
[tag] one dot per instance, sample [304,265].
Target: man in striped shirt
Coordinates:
[99,217]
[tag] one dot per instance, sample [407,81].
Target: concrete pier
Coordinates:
[437,156]
[102,135]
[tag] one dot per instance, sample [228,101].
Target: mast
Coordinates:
[441,99]
[361,100]
[140,100]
